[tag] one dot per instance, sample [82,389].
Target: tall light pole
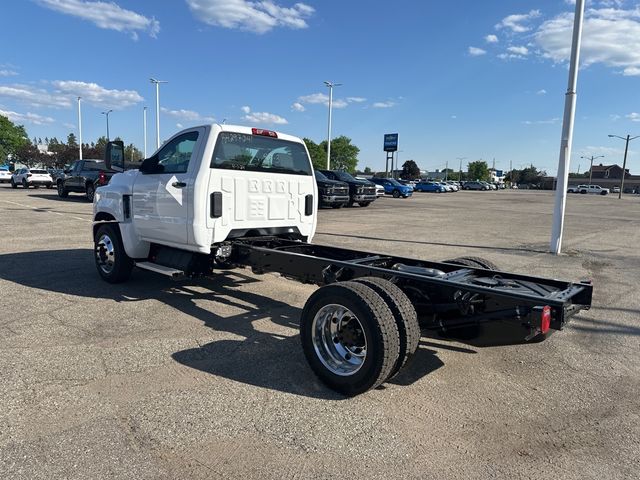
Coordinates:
[107,115]
[157,82]
[591,158]
[460,158]
[567,133]
[446,171]
[624,162]
[79,129]
[144,129]
[330,85]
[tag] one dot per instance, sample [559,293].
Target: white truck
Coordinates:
[593,189]
[221,196]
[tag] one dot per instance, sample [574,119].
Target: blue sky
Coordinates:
[480,80]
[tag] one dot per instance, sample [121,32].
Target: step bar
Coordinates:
[161,269]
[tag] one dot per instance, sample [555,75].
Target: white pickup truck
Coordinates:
[219,196]
[593,189]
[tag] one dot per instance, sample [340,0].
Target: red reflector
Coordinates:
[102,178]
[545,319]
[265,133]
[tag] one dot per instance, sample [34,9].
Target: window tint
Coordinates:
[174,157]
[240,151]
[94,166]
[344,176]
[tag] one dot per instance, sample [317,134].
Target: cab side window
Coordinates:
[174,157]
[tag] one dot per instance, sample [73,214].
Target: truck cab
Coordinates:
[205,186]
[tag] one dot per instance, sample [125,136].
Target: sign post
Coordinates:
[390,146]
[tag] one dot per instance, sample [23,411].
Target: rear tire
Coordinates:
[474,262]
[24,183]
[13,184]
[349,337]
[90,192]
[112,262]
[404,314]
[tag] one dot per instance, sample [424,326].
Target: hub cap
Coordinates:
[339,340]
[105,254]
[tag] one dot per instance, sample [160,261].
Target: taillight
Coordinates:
[545,319]
[102,178]
[265,133]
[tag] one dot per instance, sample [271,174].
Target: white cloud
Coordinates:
[633,116]
[356,99]
[96,95]
[28,117]
[34,97]
[551,121]
[610,36]
[65,92]
[542,91]
[107,15]
[257,17]
[614,117]
[476,52]
[518,23]
[298,107]
[188,115]
[264,118]
[454,117]
[518,50]
[69,125]
[321,98]
[387,104]
[5,72]
[491,38]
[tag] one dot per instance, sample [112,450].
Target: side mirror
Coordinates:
[114,156]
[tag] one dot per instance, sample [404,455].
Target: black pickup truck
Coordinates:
[84,176]
[361,192]
[331,193]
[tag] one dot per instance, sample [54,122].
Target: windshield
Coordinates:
[393,181]
[344,176]
[240,151]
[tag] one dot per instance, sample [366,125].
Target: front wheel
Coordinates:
[364,204]
[337,205]
[49,186]
[112,262]
[62,192]
[24,183]
[396,194]
[13,184]
[349,337]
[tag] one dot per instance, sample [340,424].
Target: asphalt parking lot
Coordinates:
[206,379]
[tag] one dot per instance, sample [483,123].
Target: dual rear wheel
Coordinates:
[358,334]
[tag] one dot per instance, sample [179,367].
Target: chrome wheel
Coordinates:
[105,254]
[338,339]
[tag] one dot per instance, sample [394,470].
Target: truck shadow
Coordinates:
[268,360]
[73,197]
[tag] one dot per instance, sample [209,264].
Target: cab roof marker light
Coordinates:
[263,132]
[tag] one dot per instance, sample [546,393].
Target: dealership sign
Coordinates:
[391,142]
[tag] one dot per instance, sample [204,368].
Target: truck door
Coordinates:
[163,190]
[71,182]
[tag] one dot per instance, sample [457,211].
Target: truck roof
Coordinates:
[249,131]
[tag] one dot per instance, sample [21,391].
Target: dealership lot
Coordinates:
[206,378]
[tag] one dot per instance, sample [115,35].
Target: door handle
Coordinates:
[178,184]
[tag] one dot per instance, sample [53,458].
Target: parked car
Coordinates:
[84,177]
[475,186]
[31,177]
[393,187]
[331,193]
[379,188]
[593,189]
[447,187]
[5,175]
[362,192]
[56,173]
[616,190]
[453,185]
[425,186]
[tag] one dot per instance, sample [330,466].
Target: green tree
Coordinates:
[410,170]
[317,154]
[368,171]
[344,155]
[478,170]
[72,142]
[12,138]
[132,154]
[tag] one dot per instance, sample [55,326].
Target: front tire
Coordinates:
[112,262]
[13,184]
[337,205]
[349,337]
[396,194]
[62,192]
[24,183]
[364,204]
